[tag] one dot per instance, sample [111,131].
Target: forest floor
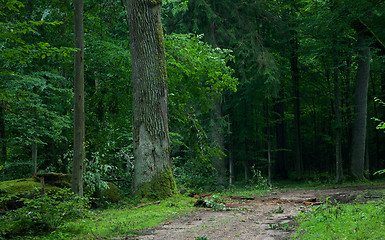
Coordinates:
[270,216]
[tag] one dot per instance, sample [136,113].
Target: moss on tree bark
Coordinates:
[160,187]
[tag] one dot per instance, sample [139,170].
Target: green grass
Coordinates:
[123,221]
[343,221]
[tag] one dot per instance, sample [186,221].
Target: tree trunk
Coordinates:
[231,169]
[230,155]
[217,140]
[246,169]
[337,109]
[297,124]
[269,162]
[34,157]
[3,142]
[153,175]
[216,122]
[279,108]
[79,125]
[360,109]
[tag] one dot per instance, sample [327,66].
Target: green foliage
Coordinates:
[198,73]
[381,124]
[43,214]
[112,193]
[201,238]
[37,112]
[348,221]
[260,181]
[94,174]
[194,176]
[286,227]
[108,107]
[215,203]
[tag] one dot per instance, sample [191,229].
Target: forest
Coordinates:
[151,98]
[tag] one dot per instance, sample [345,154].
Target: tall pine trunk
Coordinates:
[360,109]
[297,123]
[79,125]
[337,109]
[153,175]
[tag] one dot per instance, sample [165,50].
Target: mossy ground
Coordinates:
[21,185]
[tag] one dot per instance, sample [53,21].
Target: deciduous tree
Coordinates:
[153,174]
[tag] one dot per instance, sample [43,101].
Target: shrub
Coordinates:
[42,214]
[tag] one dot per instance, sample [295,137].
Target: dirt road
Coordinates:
[261,217]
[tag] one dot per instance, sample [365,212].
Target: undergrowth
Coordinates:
[41,214]
[343,221]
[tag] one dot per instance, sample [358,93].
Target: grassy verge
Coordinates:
[122,221]
[343,221]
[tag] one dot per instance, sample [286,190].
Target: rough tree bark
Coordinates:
[79,126]
[360,109]
[153,175]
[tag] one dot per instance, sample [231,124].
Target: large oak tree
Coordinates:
[153,174]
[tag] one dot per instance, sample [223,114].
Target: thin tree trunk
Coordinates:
[230,155]
[360,109]
[79,125]
[337,109]
[246,170]
[367,160]
[3,141]
[269,162]
[217,140]
[231,169]
[34,157]
[279,108]
[297,124]
[153,169]
[268,140]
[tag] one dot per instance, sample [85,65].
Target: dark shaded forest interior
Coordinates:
[288,90]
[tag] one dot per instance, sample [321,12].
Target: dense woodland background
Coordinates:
[256,87]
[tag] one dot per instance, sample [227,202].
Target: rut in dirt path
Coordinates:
[261,217]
